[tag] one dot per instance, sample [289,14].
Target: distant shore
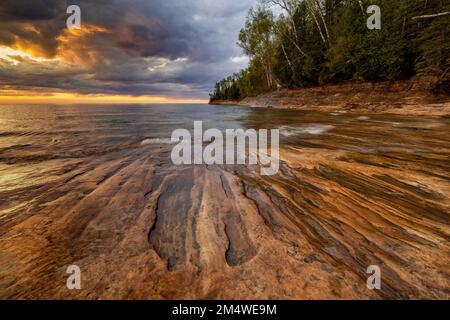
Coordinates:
[410,97]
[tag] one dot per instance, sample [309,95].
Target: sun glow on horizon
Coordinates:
[23,97]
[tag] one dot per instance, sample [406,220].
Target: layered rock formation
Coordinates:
[141,228]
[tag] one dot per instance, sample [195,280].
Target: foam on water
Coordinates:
[338,113]
[315,129]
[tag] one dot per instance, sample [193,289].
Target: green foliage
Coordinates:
[327,41]
[434,44]
[227,89]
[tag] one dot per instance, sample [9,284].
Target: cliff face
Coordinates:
[404,97]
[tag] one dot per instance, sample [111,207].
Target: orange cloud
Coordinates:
[74,46]
[70,43]
[28,47]
[15,54]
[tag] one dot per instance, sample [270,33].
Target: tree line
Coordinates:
[301,43]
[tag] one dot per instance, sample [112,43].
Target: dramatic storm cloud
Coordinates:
[170,48]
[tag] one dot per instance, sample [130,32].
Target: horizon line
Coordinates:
[65,98]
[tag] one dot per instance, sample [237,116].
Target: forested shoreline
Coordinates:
[305,43]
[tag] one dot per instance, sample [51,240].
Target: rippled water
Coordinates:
[36,133]
[42,132]
[39,132]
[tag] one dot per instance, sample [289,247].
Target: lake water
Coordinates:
[94,186]
[39,132]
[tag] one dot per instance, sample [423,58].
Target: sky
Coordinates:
[126,50]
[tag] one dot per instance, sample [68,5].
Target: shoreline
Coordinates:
[409,97]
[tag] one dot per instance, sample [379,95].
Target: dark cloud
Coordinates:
[177,48]
[31,10]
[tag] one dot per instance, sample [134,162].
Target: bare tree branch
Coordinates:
[312,12]
[430,16]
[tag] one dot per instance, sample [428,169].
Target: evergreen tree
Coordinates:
[313,42]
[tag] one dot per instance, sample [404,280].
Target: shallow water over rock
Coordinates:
[94,186]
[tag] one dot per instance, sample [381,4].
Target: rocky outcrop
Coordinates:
[411,97]
[142,228]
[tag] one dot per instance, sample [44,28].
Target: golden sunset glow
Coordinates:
[26,97]
[15,55]
[70,52]
[73,34]
[107,61]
